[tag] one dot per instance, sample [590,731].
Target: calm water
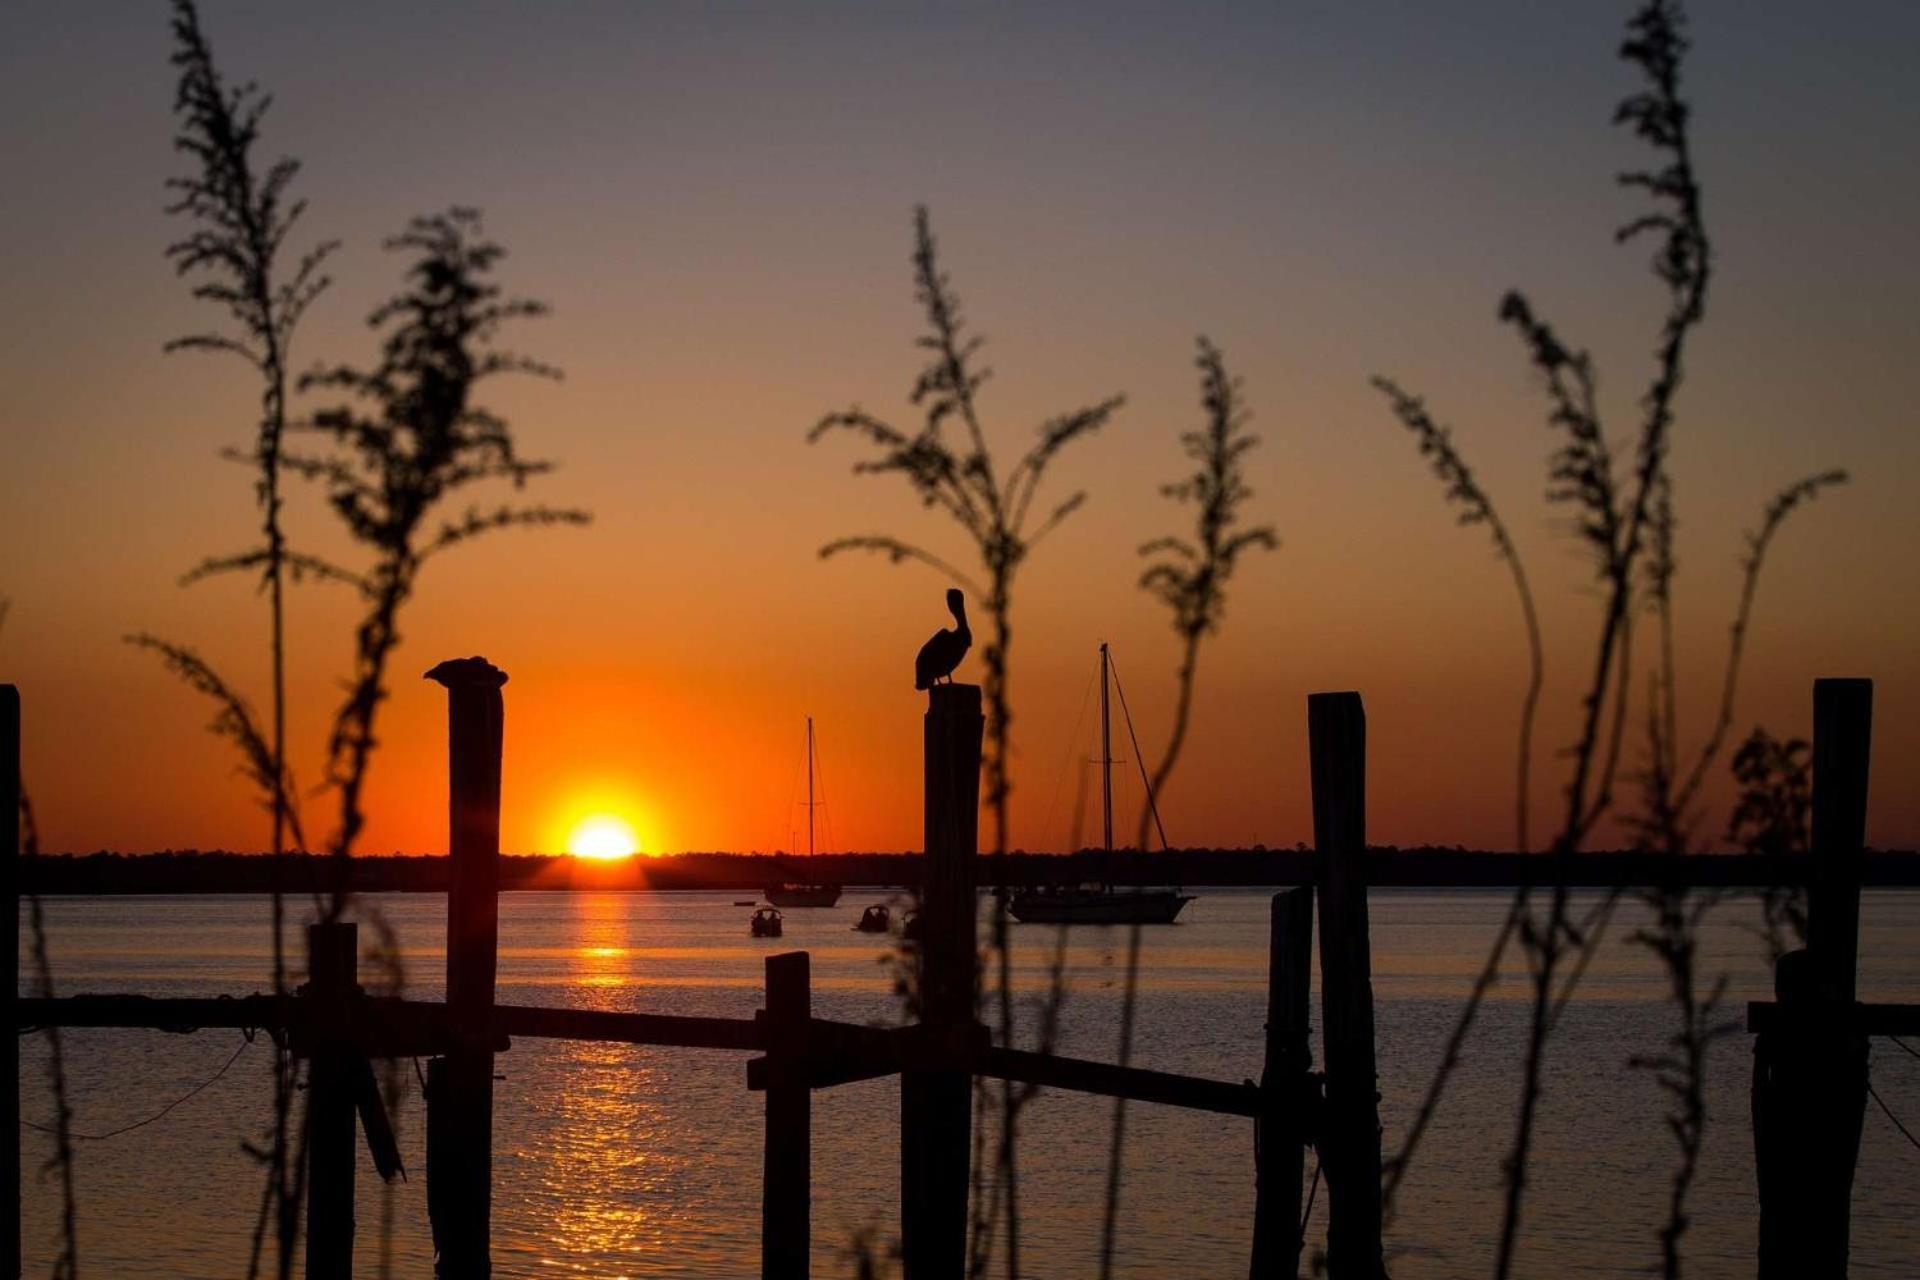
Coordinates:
[614,1161]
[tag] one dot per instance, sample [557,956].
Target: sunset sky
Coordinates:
[717,202]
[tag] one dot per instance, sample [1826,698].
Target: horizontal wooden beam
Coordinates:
[1132,1083]
[263,1013]
[1868,1019]
[843,1051]
[386,1027]
[381,1027]
[627,1028]
[896,1048]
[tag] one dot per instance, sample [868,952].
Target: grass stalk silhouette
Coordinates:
[1435,443]
[408,437]
[241,221]
[241,218]
[1627,523]
[66,1265]
[1463,489]
[998,515]
[988,1200]
[1190,577]
[1614,523]
[236,722]
[1664,824]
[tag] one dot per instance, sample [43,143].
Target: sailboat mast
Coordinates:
[1106,759]
[809,786]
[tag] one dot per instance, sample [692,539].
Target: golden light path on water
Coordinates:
[599,1145]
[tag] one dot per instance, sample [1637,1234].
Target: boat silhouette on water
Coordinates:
[875,919]
[805,893]
[792,894]
[765,923]
[1104,904]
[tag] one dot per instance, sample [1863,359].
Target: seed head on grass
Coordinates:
[234,721]
[407,439]
[1190,576]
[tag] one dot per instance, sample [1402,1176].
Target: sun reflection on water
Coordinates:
[606,1170]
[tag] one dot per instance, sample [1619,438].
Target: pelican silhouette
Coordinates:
[941,654]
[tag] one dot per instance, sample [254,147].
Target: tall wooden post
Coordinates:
[1842,744]
[332,983]
[1285,1089]
[464,1096]
[785,1194]
[10,975]
[936,1105]
[1350,1147]
[1810,1075]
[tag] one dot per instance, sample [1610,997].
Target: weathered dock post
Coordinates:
[1286,1092]
[1810,1087]
[1842,745]
[10,973]
[786,1198]
[1350,1146]
[332,1120]
[936,1104]
[460,1088]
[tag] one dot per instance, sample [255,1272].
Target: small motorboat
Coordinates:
[875,919]
[743,902]
[766,923]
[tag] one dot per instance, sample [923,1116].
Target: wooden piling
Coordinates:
[10,974]
[1842,748]
[1285,1090]
[785,1191]
[1810,1072]
[936,1104]
[332,983]
[463,1163]
[1842,744]
[1350,1145]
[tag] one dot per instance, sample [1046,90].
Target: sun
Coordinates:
[603,836]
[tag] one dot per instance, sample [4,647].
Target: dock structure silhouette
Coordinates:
[1808,1100]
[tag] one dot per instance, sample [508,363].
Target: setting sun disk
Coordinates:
[603,836]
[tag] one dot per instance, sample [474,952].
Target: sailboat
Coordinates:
[1105,904]
[791,893]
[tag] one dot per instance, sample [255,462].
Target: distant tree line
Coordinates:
[220,871]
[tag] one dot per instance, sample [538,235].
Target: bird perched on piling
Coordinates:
[941,654]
